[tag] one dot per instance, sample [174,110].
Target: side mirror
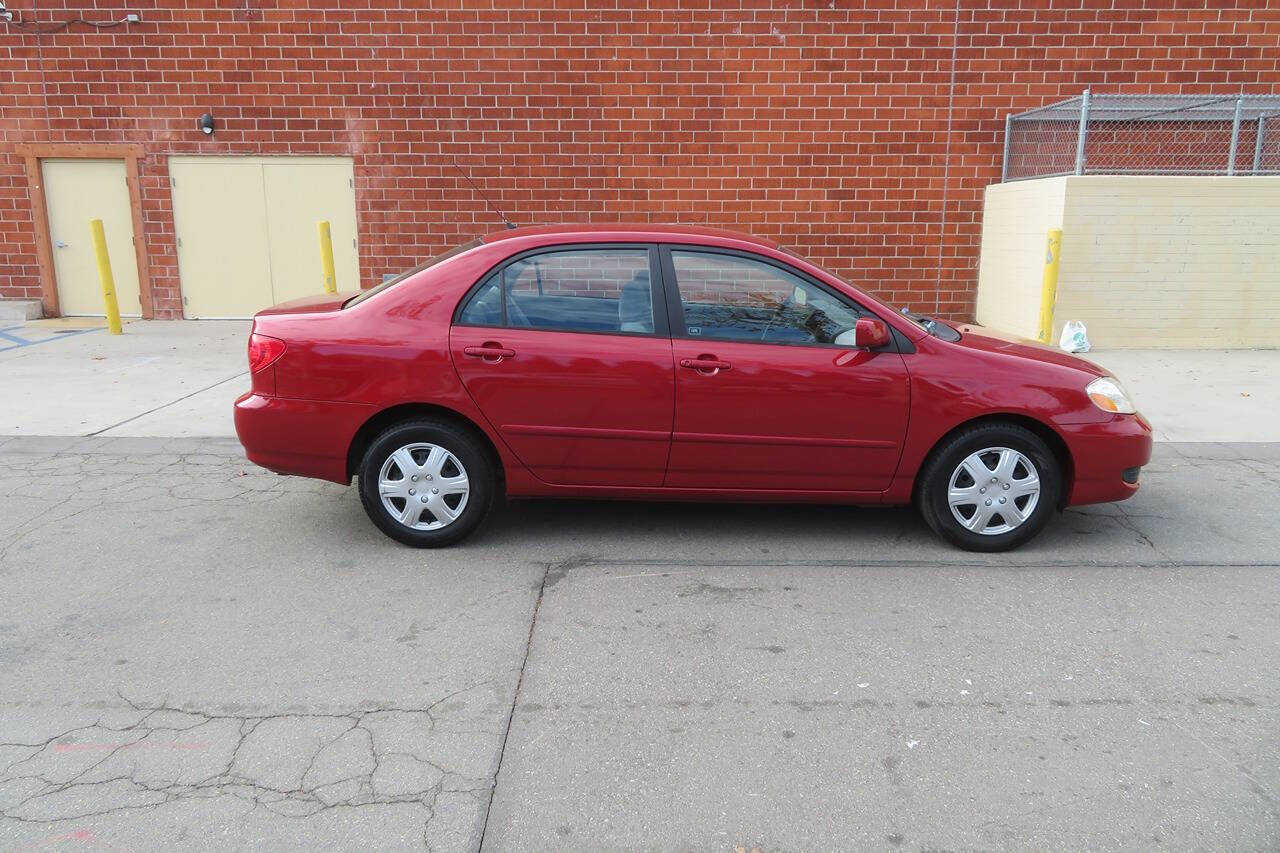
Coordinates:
[870,333]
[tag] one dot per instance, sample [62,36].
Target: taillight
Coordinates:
[263,350]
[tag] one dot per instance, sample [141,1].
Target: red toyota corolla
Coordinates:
[672,363]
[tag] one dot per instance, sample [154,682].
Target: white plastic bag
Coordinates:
[1073,337]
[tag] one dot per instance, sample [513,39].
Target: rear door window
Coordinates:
[583,290]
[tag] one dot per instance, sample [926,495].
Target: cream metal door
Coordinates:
[299,194]
[246,230]
[220,221]
[77,191]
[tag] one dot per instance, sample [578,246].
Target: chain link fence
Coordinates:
[1145,135]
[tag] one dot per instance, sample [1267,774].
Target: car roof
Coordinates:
[639,231]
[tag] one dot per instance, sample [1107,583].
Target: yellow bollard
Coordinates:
[1049,284]
[104,275]
[326,257]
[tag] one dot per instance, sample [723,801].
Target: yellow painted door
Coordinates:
[300,193]
[77,191]
[246,230]
[220,221]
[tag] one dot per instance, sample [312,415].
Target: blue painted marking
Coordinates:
[18,342]
[22,342]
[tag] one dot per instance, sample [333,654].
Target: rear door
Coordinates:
[770,391]
[566,352]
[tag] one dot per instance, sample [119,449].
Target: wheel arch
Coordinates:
[387,417]
[1057,445]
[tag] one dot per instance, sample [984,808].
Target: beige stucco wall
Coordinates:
[1016,218]
[1147,261]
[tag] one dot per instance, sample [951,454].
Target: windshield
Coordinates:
[392,282]
[932,325]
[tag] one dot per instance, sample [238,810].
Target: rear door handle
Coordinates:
[705,364]
[489,352]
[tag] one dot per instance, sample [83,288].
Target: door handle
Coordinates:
[61,245]
[489,352]
[705,364]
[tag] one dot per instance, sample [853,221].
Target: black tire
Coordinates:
[466,450]
[936,477]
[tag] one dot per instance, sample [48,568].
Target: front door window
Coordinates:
[729,297]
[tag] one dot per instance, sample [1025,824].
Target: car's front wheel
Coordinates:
[991,487]
[426,483]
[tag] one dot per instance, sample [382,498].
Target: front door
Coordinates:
[76,192]
[567,358]
[770,392]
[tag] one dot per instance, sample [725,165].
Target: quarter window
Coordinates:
[589,290]
[735,298]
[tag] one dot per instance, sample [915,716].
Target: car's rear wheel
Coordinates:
[990,488]
[426,483]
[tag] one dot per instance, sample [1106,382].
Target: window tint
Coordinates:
[736,298]
[590,290]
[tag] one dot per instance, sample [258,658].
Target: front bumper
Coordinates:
[1103,457]
[309,438]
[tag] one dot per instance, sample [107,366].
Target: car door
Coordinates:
[770,391]
[567,353]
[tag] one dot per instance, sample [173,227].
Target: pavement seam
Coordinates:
[165,405]
[515,700]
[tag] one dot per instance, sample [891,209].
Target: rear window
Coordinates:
[392,282]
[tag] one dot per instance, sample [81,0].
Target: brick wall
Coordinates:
[859,134]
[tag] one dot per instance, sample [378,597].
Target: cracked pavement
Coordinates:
[198,655]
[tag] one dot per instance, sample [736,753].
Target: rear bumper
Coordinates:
[308,438]
[1103,456]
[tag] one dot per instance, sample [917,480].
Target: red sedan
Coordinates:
[674,363]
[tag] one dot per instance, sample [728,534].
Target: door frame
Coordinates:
[32,156]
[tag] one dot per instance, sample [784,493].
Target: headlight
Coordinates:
[1106,394]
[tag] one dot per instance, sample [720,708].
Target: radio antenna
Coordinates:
[493,207]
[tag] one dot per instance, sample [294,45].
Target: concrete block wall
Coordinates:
[1147,261]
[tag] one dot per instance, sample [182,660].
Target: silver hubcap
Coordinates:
[993,491]
[423,486]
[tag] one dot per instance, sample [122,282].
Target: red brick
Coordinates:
[824,127]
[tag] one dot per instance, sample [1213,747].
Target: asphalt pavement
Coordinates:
[198,655]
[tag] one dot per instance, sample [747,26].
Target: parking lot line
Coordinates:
[18,342]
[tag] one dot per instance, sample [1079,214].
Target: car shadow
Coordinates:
[533,520]
[551,529]
[794,531]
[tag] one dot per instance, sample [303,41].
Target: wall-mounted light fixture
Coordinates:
[206,124]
